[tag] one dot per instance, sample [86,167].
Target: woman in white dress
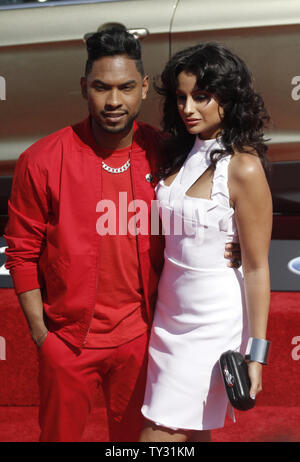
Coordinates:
[213,191]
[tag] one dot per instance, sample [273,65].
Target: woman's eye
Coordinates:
[199,98]
[202,97]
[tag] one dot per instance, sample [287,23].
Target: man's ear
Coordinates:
[145,86]
[83,84]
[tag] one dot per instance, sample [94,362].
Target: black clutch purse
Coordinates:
[234,370]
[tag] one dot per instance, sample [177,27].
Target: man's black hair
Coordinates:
[113,41]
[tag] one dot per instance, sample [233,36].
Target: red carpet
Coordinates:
[275,418]
[261,424]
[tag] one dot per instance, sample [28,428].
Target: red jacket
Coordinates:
[51,234]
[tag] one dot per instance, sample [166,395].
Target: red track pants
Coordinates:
[68,379]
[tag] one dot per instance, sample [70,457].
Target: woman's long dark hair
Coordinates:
[226,76]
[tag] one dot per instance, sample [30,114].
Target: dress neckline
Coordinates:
[199,156]
[202,149]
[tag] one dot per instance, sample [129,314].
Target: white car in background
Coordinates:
[43,54]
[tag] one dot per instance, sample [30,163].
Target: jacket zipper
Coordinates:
[137,240]
[98,266]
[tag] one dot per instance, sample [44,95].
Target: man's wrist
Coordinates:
[38,337]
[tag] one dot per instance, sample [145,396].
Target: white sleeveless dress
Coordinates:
[200,311]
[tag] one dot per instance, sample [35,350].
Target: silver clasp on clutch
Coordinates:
[228,377]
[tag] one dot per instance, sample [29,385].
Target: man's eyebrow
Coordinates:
[129,82]
[99,82]
[105,84]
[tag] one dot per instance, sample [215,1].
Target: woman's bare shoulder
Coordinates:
[245,166]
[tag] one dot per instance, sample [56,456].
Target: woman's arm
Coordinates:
[251,197]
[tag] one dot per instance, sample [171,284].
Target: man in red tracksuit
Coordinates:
[83,267]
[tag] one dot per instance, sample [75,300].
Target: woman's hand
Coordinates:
[255,374]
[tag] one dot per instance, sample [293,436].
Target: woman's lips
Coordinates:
[191,122]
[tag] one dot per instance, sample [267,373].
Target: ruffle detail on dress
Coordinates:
[220,191]
[225,221]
